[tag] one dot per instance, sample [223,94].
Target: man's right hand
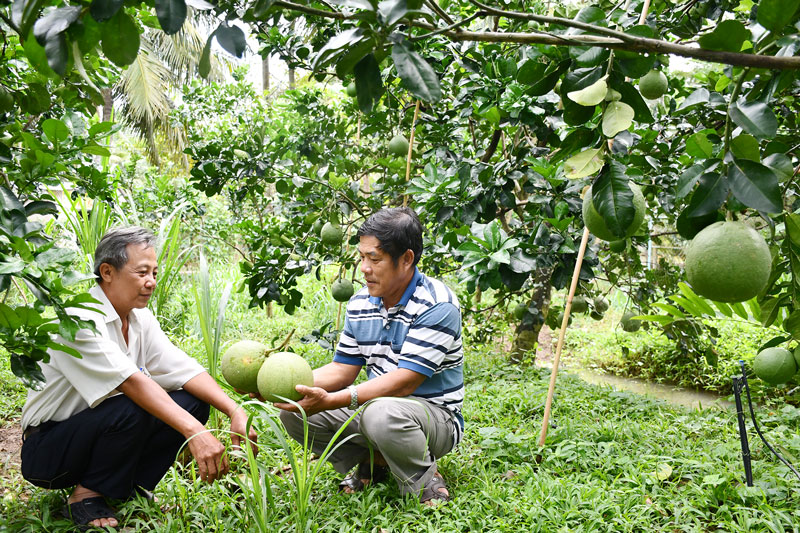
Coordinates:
[209,454]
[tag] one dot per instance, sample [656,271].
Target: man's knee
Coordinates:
[194,406]
[379,419]
[293,423]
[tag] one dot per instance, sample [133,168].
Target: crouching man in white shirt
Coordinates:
[110,423]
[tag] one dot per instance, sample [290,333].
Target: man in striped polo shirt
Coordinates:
[405,328]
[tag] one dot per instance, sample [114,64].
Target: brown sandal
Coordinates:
[375,474]
[432,491]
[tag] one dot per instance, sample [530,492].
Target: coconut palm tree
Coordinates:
[143,91]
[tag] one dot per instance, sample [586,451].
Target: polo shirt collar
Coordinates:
[412,286]
[105,306]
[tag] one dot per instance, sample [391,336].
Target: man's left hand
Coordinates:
[314,400]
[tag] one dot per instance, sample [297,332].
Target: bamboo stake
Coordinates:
[410,149]
[575,276]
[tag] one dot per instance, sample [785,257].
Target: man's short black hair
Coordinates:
[397,229]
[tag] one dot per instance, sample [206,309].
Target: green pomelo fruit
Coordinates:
[520,311]
[617,246]
[240,364]
[317,226]
[596,315]
[554,320]
[600,304]
[579,304]
[775,365]
[597,226]
[342,290]
[279,375]
[653,85]
[728,262]
[351,89]
[331,234]
[398,146]
[627,322]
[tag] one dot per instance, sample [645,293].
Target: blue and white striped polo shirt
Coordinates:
[421,333]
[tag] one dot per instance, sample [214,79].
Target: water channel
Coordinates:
[694,399]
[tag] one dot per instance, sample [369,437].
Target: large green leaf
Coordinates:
[171,15]
[49,32]
[590,95]
[632,97]
[729,35]
[24,13]
[415,73]
[712,190]
[580,79]
[204,67]
[745,146]
[55,22]
[55,130]
[335,44]
[120,39]
[755,185]
[369,85]
[231,38]
[37,56]
[57,51]
[688,179]
[776,14]
[792,324]
[617,117]
[102,10]
[697,98]
[584,164]
[353,54]
[698,146]
[756,118]
[541,77]
[390,12]
[612,197]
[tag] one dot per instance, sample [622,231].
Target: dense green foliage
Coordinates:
[513,122]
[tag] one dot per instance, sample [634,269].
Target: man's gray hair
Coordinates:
[113,247]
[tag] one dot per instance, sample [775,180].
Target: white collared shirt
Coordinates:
[73,384]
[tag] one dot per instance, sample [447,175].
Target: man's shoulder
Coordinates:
[431,291]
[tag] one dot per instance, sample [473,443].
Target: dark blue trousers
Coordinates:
[111,449]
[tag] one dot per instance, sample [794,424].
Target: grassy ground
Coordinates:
[613,461]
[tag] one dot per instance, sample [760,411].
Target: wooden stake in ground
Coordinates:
[575,276]
[410,149]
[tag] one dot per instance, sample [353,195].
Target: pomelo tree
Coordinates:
[512,112]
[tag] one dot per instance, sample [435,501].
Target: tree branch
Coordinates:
[637,44]
[433,4]
[492,146]
[312,11]
[603,37]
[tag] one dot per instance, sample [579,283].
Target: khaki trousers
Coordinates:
[410,434]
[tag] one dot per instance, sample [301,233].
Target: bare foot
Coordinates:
[81,493]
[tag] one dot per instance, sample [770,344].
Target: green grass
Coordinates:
[613,461]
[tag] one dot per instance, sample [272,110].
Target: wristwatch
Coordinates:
[353,397]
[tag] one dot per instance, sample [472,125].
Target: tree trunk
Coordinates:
[291,78]
[108,104]
[265,76]
[526,336]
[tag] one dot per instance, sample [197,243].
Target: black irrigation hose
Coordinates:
[755,424]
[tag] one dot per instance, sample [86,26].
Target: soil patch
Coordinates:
[10,445]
